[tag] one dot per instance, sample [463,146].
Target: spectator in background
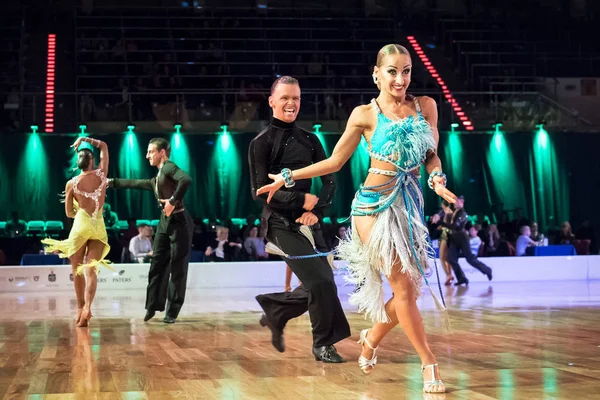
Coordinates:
[491,238]
[524,241]
[140,246]
[536,236]
[474,239]
[255,246]
[221,249]
[565,235]
[341,234]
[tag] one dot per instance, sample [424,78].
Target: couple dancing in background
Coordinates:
[87,245]
[454,241]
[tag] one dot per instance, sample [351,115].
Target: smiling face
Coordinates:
[285,102]
[393,75]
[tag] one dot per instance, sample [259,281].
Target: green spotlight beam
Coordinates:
[550,184]
[33,175]
[509,188]
[226,164]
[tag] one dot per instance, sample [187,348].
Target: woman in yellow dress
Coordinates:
[87,244]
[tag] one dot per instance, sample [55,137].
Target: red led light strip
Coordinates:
[434,74]
[50,74]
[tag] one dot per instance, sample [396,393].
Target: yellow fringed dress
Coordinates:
[85,227]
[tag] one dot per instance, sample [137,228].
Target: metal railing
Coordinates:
[516,110]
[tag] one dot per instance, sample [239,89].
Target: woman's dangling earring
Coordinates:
[375,79]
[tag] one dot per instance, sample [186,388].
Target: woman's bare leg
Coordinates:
[402,308]
[288,279]
[95,248]
[444,261]
[78,280]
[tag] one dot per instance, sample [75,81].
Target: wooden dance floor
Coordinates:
[537,340]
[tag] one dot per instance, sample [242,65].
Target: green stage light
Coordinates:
[224,127]
[177,128]
[542,136]
[224,138]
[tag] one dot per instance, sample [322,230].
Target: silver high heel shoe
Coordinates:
[428,385]
[367,365]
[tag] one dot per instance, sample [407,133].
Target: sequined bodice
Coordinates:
[95,195]
[404,142]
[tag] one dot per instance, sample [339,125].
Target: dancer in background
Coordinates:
[389,235]
[167,277]
[459,243]
[87,244]
[444,216]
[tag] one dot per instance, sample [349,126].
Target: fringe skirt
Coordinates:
[84,228]
[399,234]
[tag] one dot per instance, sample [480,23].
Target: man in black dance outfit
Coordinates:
[173,240]
[284,145]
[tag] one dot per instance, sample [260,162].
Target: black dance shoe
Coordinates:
[462,282]
[169,320]
[276,334]
[327,354]
[149,315]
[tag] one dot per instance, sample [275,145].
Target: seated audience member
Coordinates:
[221,249]
[255,245]
[565,235]
[474,239]
[341,234]
[524,241]
[492,239]
[536,236]
[140,246]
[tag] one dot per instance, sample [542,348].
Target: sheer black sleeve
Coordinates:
[258,158]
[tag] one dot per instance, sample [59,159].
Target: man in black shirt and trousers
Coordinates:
[284,145]
[459,242]
[173,239]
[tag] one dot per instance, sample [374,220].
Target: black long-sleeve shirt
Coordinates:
[284,145]
[457,222]
[173,183]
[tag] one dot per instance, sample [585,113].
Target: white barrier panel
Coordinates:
[272,274]
[593,267]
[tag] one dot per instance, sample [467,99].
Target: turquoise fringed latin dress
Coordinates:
[397,207]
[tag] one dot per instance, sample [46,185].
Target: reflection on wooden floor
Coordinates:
[500,349]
